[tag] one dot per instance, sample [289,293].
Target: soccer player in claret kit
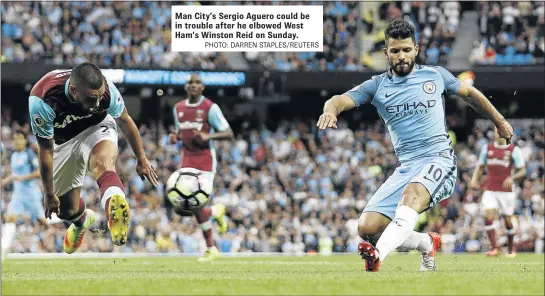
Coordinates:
[199,121]
[499,158]
[72,114]
[410,101]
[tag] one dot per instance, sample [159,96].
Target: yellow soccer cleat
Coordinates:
[74,235]
[210,255]
[119,219]
[219,210]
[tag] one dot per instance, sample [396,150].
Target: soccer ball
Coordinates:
[188,190]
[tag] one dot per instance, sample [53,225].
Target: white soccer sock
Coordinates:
[8,233]
[418,241]
[109,193]
[397,231]
[213,211]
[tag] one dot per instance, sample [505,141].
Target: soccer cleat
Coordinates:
[74,235]
[493,253]
[427,260]
[370,255]
[220,217]
[119,219]
[210,255]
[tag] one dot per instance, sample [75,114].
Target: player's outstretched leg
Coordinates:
[203,218]
[491,231]
[72,209]
[113,201]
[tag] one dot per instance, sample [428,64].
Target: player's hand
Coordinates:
[51,205]
[508,183]
[200,136]
[505,130]
[327,120]
[173,138]
[474,185]
[145,170]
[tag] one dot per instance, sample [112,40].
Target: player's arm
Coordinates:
[474,183]
[358,95]
[217,121]
[130,131]
[520,165]
[42,117]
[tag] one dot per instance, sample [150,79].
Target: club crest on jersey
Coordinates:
[38,120]
[199,115]
[429,87]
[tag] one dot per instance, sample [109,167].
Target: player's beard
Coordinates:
[400,70]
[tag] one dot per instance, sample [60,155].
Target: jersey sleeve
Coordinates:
[482,156]
[42,117]
[363,93]
[176,121]
[117,104]
[452,84]
[518,159]
[216,119]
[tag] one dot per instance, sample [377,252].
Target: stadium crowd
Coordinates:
[512,33]
[290,190]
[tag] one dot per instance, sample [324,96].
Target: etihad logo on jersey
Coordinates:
[407,109]
[69,119]
[186,125]
[497,161]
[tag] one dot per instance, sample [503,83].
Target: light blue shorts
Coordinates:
[26,204]
[437,173]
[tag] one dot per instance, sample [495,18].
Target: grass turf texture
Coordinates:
[336,275]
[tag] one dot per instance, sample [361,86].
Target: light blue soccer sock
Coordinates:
[397,232]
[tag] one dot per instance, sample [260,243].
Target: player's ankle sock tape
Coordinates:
[511,231]
[206,225]
[397,232]
[489,227]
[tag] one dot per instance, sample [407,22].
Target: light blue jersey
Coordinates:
[412,108]
[26,197]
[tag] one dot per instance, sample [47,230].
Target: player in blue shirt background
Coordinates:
[410,100]
[26,197]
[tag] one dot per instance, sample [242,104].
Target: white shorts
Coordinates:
[503,202]
[70,159]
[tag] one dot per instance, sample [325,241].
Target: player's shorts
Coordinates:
[70,159]
[23,203]
[437,173]
[503,202]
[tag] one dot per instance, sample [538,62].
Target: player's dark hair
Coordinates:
[400,29]
[87,75]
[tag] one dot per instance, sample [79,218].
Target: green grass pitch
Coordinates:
[309,275]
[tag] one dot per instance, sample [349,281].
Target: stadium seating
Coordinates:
[269,209]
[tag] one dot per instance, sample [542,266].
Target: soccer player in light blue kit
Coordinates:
[26,196]
[410,100]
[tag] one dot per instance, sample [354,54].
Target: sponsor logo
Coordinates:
[69,119]
[429,87]
[390,94]
[407,109]
[38,120]
[191,125]
[500,162]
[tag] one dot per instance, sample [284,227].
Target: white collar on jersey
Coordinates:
[66,85]
[500,146]
[194,104]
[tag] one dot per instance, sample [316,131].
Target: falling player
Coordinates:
[410,101]
[72,114]
[26,197]
[498,197]
[199,121]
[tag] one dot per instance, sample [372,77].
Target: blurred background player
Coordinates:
[410,101]
[26,197]
[198,121]
[72,114]
[499,197]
